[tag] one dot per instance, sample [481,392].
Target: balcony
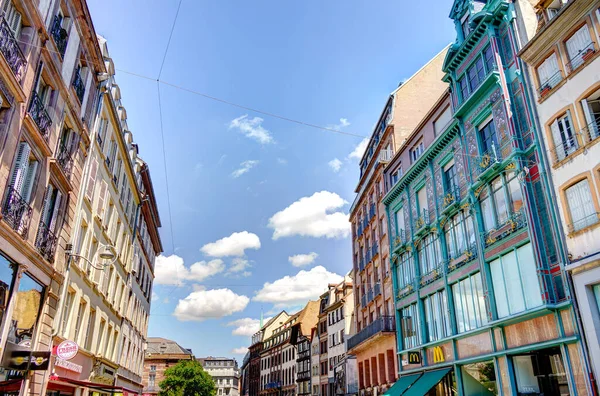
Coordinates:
[548,85]
[45,242]
[585,54]
[386,156]
[591,131]
[407,289]
[493,157]
[65,160]
[451,199]
[462,258]
[432,275]
[422,220]
[79,85]
[40,116]
[384,324]
[565,148]
[515,222]
[583,223]
[400,239]
[273,385]
[17,212]
[59,35]
[11,51]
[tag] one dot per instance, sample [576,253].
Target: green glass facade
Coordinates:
[477,265]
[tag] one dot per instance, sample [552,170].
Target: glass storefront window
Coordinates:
[541,373]
[28,300]
[7,274]
[479,379]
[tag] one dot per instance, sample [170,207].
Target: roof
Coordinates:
[164,346]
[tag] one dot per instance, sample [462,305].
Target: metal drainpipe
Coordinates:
[562,238]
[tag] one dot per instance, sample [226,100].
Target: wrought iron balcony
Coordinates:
[59,35]
[547,86]
[79,85]
[459,259]
[592,130]
[407,289]
[432,275]
[585,54]
[384,324]
[65,160]
[11,51]
[451,198]
[422,220]
[40,116]
[515,222]
[399,240]
[17,212]
[566,147]
[584,222]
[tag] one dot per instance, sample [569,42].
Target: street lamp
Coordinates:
[105,253]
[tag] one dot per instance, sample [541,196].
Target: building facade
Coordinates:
[374,343]
[225,373]
[481,302]
[269,377]
[562,56]
[49,76]
[302,338]
[315,346]
[160,354]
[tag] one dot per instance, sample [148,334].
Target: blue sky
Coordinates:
[240,175]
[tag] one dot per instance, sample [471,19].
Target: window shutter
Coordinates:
[29,178]
[89,193]
[101,198]
[46,204]
[558,144]
[73,142]
[55,211]
[20,168]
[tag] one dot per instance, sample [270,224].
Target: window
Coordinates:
[464,24]
[549,73]
[436,316]
[422,202]
[24,172]
[488,59]
[506,47]
[444,119]
[101,335]
[482,378]
[591,108]
[397,175]
[476,74]
[90,329]
[579,44]
[463,87]
[78,320]
[506,198]
[429,253]
[489,138]
[469,303]
[67,312]
[450,178]
[51,209]
[541,373]
[460,234]
[416,152]
[515,280]
[581,207]
[565,140]
[23,322]
[151,380]
[409,320]
[12,17]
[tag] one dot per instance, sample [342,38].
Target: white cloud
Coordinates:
[335,165]
[239,351]
[238,268]
[244,168]
[233,245]
[342,124]
[359,150]
[171,270]
[297,289]
[209,304]
[196,287]
[246,326]
[309,216]
[252,128]
[282,161]
[300,260]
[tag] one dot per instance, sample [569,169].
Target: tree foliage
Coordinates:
[187,378]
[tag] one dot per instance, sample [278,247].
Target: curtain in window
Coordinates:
[577,44]
[410,330]
[581,206]
[547,70]
[469,303]
[405,270]
[422,200]
[436,316]
[487,210]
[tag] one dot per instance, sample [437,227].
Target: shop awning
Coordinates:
[115,390]
[13,385]
[402,384]
[427,381]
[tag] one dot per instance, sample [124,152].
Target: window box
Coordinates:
[545,90]
[587,55]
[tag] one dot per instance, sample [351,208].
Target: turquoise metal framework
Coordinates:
[486,84]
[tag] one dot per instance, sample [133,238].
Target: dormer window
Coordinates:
[554,8]
[464,23]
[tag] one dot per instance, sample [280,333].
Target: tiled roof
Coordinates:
[166,347]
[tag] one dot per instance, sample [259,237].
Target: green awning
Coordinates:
[426,382]
[402,384]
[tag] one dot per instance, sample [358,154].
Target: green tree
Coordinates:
[187,378]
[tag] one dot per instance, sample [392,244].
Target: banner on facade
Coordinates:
[58,362]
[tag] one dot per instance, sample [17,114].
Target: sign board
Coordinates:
[68,365]
[28,360]
[438,355]
[67,350]
[414,357]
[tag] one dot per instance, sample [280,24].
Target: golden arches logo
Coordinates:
[438,355]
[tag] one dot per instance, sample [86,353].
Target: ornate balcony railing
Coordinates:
[515,222]
[40,115]
[432,275]
[547,86]
[566,147]
[11,51]
[407,289]
[422,220]
[59,35]
[65,160]
[584,222]
[583,56]
[465,257]
[17,212]
[384,324]
[399,240]
[452,197]
[79,85]
[592,130]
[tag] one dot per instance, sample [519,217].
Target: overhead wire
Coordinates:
[169,41]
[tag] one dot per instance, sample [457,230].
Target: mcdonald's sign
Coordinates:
[414,357]
[438,355]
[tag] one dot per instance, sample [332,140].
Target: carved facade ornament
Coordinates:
[448,199]
[478,191]
[491,239]
[466,206]
[511,166]
[485,161]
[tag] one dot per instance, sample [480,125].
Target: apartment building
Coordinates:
[106,303]
[315,346]
[481,303]
[301,337]
[374,343]
[562,56]
[160,354]
[50,67]
[279,357]
[323,349]
[269,379]
[225,373]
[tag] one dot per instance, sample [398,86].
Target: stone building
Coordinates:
[161,354]
[302,338]
[374,343]
[225,373]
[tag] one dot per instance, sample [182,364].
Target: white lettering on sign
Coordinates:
[67,350]
[68,365]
